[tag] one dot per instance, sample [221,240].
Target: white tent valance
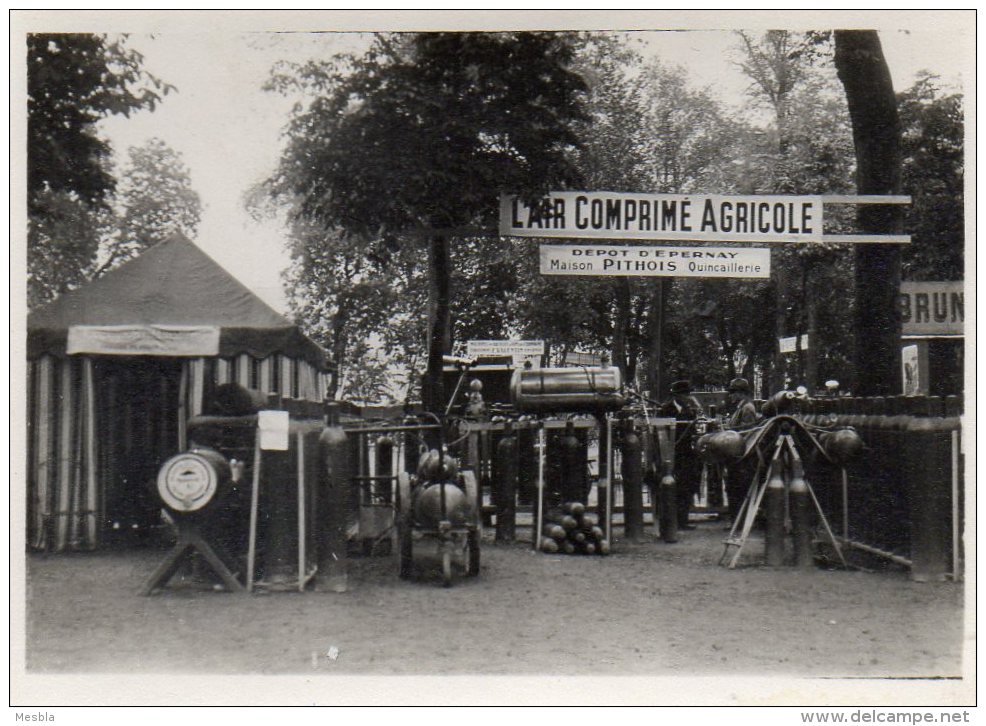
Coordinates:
[166,340]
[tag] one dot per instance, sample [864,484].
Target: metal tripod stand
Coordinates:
[784,471]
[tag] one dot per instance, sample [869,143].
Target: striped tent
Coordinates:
[118,366]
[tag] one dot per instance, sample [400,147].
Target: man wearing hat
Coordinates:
[684,407]
[741,398]
[744,416]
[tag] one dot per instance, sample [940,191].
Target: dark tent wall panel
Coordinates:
[138,403]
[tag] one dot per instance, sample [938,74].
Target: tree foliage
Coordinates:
[73,81]
[419,135]
[63,240]
[424,130]
[933,174]
[645,128]
[154,200]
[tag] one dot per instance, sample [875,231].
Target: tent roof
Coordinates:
[176,284]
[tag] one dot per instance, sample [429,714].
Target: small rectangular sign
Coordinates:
[932,308]
[583,359]
[686,217]
[496,348]
[790,345]
[910,362]
[273,426]
[708,262]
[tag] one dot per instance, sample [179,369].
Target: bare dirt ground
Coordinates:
[647,609]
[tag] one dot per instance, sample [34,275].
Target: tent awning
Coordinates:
[172,300]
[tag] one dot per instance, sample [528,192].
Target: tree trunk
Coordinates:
[872,106]
[814,344]
[779,367]
[655,333]
[620,323]
[439,333]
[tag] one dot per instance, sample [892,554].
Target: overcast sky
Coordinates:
[228,129]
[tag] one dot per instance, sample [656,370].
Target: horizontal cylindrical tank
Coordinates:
[189,481]
[567,389]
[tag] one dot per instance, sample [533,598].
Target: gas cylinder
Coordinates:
[800,516]
[385,467]
[573,469]
[505,496]
[632,470]
[780,403]
[336,467]
[721,447]
[841,446]
[667,504]
[539,390]
[774,504]
[436,467]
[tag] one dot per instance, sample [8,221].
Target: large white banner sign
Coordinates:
[749,262]
[690,217]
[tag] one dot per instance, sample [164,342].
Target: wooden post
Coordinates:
[42,478]
[956,515]
[536,535]
[183,407]
[302,567]
[64,484]
[845,504]
[254,504]
[92,493]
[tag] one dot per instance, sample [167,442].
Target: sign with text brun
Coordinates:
[670,217]
[932,308]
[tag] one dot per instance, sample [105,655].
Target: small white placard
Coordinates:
[273,427]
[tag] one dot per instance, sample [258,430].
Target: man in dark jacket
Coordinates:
[685,408]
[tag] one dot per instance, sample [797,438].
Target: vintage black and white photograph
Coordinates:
[596,358]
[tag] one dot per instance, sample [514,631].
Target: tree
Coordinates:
[74,80]
[63,239]
[933,174]
[647,130]
[872,104]
[417,137]
[807,150]
[154,201]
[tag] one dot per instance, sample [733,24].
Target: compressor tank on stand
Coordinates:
[586,389]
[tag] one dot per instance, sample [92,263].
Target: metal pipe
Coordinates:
[302,568]
[876,551]
[956,524]
[609,477]
[536,539]
[845,503]
[254,502]
[392,429]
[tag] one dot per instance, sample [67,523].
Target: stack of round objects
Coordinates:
[571,530]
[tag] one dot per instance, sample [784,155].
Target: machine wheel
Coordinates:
[472,552]
[446,567]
